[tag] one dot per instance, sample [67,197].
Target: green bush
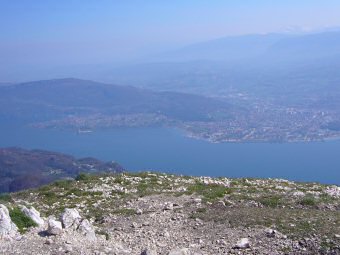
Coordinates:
[209,192]
[21,220]
[83,177]
[5,198]
[48,194]
[308,201]
[271,201]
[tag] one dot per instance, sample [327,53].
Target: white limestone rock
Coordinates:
[8,229]
[242,244]
[183,251]
[86,228]
[54,227]
[70,218]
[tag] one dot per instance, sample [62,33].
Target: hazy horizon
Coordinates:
[51,36]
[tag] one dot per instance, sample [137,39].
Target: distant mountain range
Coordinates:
[280,46]
[22,169]
[227,49]
[300,68]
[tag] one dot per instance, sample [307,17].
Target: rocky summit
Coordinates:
[152,213]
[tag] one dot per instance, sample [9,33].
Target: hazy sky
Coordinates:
[58,32]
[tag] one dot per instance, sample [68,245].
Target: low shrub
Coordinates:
[21,220]
[83,177]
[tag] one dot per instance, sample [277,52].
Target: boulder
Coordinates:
[7,228]
[86,228]
[70,218]
[54,227]
[242,244]
[33,214]
[183,251]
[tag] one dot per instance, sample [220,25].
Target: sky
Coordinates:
[48,33]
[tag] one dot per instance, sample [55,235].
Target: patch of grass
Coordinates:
[77,192]
[142,187]
[96,193]
[142,175]
[119,180]
[153,179]
[125,211]
[96,213]
[245,181]
[325,198]
[304,227]
[145,189]
[252,190]
[308,201]
[272,201]
[44,188]
[117,192]
[209,192]
[48,194]
[21,220]
[83,177]
[242,197]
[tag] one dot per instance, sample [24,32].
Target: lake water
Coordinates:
[169,150]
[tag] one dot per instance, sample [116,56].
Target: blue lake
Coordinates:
[169,150]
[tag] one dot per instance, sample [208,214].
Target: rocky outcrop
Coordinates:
[70,218]
[151,214]
[33,214]
[8,229]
